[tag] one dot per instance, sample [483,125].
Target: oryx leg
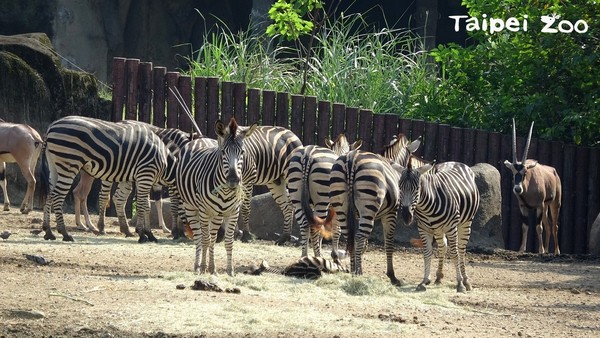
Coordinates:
[3,184]
[27,166]
[80,194]
[554,210]
[539,215]
[524,226]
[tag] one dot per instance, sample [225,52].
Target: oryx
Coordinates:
[538,189]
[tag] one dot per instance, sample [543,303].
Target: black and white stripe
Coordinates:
[444,203]
[307,267]
[106,150]
[209,181]
[308,176]
[364,186]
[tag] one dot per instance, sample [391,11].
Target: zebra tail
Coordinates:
[351,225]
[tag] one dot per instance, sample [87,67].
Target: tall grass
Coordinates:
[352,63]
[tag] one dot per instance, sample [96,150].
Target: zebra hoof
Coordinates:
[25,211]
[248,237]
[150,235]
[421,288]
[143,238]
[282,239]
[68,238]
[397,282]
[49,236]
[6,207]
[461,288]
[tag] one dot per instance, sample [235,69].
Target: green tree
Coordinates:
[553,79]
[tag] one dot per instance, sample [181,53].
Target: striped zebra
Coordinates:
[106,150]
[209,181]
[174,139]
[268,151]
[444,203]
[307,267]
[308,185]
[364,185]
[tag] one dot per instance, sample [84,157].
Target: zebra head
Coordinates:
[410,189]
[519,168]
[400,149]
[341,146]
[230,142]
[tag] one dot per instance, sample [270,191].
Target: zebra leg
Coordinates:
[453,252]
[247,236]
[427,239]
[198,232]
[229,223]
[121,197]
[213,225]
[157,196]
[103,203]
[142,228]
[3,184]
[389,227]
[280,195]
[178,213]
[464,233]
[442,248]
[57,198]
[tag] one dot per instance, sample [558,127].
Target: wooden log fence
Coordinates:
[140,92]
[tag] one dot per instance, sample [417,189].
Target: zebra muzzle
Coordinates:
[406,214]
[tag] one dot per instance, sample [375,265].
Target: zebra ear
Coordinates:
[247,131]
[414,145]
[356,144]
[399,169]
[328,142]
[220,129]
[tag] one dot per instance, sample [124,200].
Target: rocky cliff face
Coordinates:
[88,34]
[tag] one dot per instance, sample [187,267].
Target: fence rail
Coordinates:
[140,93]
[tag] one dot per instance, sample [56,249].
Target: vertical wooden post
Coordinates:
[468,146]
[145,92]
[352,124]
[119,89]
[310,120]
[268,108]
[323,125]
[430,141]
[226,101]
[212,113]
[391,127]
[172,79]
[365,128]
[184,84]
[418,130]
[132,66]
[481,147]
[378,133]
[158,101]
[201,103]
[282,115]
[253,106]
[338,118]
[239,103]
[297,113]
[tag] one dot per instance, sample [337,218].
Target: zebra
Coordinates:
[209,183]
[106,150]
[174,139]
[307,267]
[308,185]
[444,203]
[364,184]
[267,154]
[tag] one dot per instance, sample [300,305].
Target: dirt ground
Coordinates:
[111,286]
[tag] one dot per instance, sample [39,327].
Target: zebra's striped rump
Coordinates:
[308,175]
[209,181]
[110,151]
[364,186]
[307,267]
[444,203]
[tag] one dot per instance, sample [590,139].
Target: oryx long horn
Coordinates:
[514,142]
[527,144]
[185,108]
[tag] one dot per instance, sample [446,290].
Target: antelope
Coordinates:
[538,189]
[19,143]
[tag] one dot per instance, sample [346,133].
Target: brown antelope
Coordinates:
[19,143]
[538,189]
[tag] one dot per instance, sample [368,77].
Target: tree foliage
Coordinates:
[289,18]
[553,79]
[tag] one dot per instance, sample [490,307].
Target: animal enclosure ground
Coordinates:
[111,286]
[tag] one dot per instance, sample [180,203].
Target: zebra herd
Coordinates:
[335,191]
